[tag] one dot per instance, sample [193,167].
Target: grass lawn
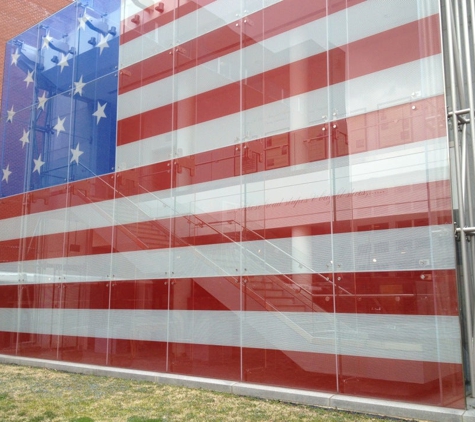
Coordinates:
[36,394]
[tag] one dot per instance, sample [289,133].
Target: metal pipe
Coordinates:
[469,171]
[466,230]
[463,241]
[459,112]
[464,164]
[456,53]
[472,13]
[468,71]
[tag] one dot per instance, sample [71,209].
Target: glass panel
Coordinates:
[38,321]
[84,323]
[145,85]
[11,243]
[58,51]
[42,236]
[51,139]
[17,153]
[87,266]
[288,329]
[203,229]
[88,241]
[9,321]
[97,28]
[138,324]
[92,149]
[204,327]
[392,246]
[23,65]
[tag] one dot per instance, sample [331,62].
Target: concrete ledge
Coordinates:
[469,416]
[222,386]
[283,394]
[396,409]
[333,401]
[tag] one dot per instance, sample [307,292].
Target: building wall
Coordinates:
[254,191]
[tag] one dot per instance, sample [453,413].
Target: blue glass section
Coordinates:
[51,141]
[24,62]
[59,99]
[98,39]
[94,128]
[58,50]
[16,151]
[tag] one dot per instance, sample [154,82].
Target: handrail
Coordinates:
[202,222]
[309,295]
[161,229]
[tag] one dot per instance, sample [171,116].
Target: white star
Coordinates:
[78,86]
[6,173]
[15,57]
[99,113]
[10,113]
[103,43]
[42,101]
[29,78]
[82,21]
[46,40]
[25,139]
[38,164]
[59,127]
[64,61]
[76,154]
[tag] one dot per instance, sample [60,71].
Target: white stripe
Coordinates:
[219,9]
[311,39]
[409,249]
[411,337]
[193,25]
[403,165]
[397,85]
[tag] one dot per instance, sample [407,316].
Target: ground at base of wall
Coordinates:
[40,394]
[85,396]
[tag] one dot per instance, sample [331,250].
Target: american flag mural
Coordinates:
[253,190]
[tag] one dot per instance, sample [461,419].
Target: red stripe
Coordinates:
[9,296]
[150,19]
[42,346]
[368,132]
[8,342]
[420,205]
[402,43]
[136,354]
[82,192]
[433,383]
[386,293]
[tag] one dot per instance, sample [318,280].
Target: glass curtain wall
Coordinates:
[253,190]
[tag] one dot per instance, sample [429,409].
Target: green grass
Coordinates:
[37,395]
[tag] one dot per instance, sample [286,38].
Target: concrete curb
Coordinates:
[331,401]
